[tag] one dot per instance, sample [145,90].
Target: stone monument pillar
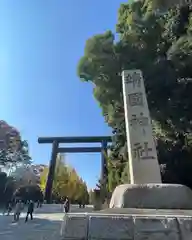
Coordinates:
[146,208]
[143,163]
[145,189]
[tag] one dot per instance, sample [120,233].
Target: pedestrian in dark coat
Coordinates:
[66,205]
[30,210]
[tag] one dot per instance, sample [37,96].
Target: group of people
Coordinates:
[66,205]
[19,206]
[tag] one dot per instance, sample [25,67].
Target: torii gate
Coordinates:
[55,141]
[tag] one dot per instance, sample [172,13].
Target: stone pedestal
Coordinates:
[129,224]
[139,212]
[152,196]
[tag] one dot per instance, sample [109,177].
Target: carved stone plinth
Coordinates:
[128,224]
[152,196]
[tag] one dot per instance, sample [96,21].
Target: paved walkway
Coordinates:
[45,226]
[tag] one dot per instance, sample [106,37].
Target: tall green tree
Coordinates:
[66,182]
[7,188]
[158,43]
[29,192]
[11,158]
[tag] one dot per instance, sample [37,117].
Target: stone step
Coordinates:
[128,224]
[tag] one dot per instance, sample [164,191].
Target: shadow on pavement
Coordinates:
[38,228]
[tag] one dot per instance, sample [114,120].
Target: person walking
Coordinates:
[30,210]
[38,204]
[66,205]
[8,208]
[17,212]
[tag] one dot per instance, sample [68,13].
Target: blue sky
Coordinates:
[41,42]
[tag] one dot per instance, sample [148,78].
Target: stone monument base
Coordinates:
[143,211]
[152,196]
[128,224]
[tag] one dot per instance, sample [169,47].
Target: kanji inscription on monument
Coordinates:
[142,152]
[139,121]
[134,79]
[143,162]
[135,99]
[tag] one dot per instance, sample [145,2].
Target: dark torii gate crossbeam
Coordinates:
[55,141]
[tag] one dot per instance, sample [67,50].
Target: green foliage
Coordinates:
[10,157]
[118,172]
[10,189]
[158,43]
[7,188]
[29,192]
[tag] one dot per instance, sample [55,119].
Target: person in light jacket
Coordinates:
[18,208]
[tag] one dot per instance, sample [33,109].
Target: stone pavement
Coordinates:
[45,226]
